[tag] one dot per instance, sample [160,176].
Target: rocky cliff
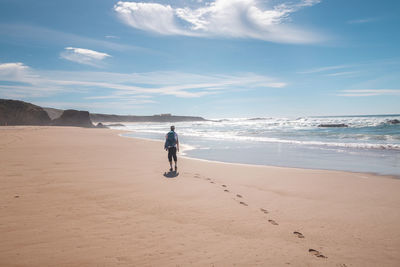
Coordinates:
[72,117]
[53,112]
[14,112]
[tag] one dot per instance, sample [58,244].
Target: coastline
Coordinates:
[295,168]
[367,144]
[389,176]
[74,196]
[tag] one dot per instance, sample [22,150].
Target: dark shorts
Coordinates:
[172,154]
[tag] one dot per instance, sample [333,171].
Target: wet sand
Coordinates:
[88,197]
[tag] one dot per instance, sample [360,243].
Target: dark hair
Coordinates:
[172,127]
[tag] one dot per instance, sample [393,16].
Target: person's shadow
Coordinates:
[171,174]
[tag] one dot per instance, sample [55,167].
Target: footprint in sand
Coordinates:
[316,253]
[273,222]
[122,258]
[238,195]
[241,202]
[223,185]
[298,234]
[226,190]
[212,182]
[16,196]
[264,210]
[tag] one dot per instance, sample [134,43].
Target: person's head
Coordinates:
[172,128]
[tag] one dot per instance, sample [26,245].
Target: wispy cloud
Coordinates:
[84,56]
[126,105]
[325,69]
[32,33]
[220,18]
[348,69]
[18,80]
[143,86]
[370,92]
[342,73]
[111,37]
[362,21]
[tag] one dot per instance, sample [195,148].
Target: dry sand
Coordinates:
[88,197]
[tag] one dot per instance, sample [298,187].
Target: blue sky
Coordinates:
[222,58]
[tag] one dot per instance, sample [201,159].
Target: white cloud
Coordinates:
[123,86]
[149,16]
[220,18]
[15,71]
[84,56]
[370,92]
[87,53]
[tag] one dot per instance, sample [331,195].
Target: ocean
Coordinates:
[369,143]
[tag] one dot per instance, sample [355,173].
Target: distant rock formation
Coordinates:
[333,125]
[395,121]
[72,117]
[54,113]
[14,112]
[219,120]
[155,118]
[256,119]
[115,125]
[100,125]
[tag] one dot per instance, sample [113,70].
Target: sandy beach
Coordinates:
[89,197]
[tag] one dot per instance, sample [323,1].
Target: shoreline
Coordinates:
[87,197]
[388,176]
